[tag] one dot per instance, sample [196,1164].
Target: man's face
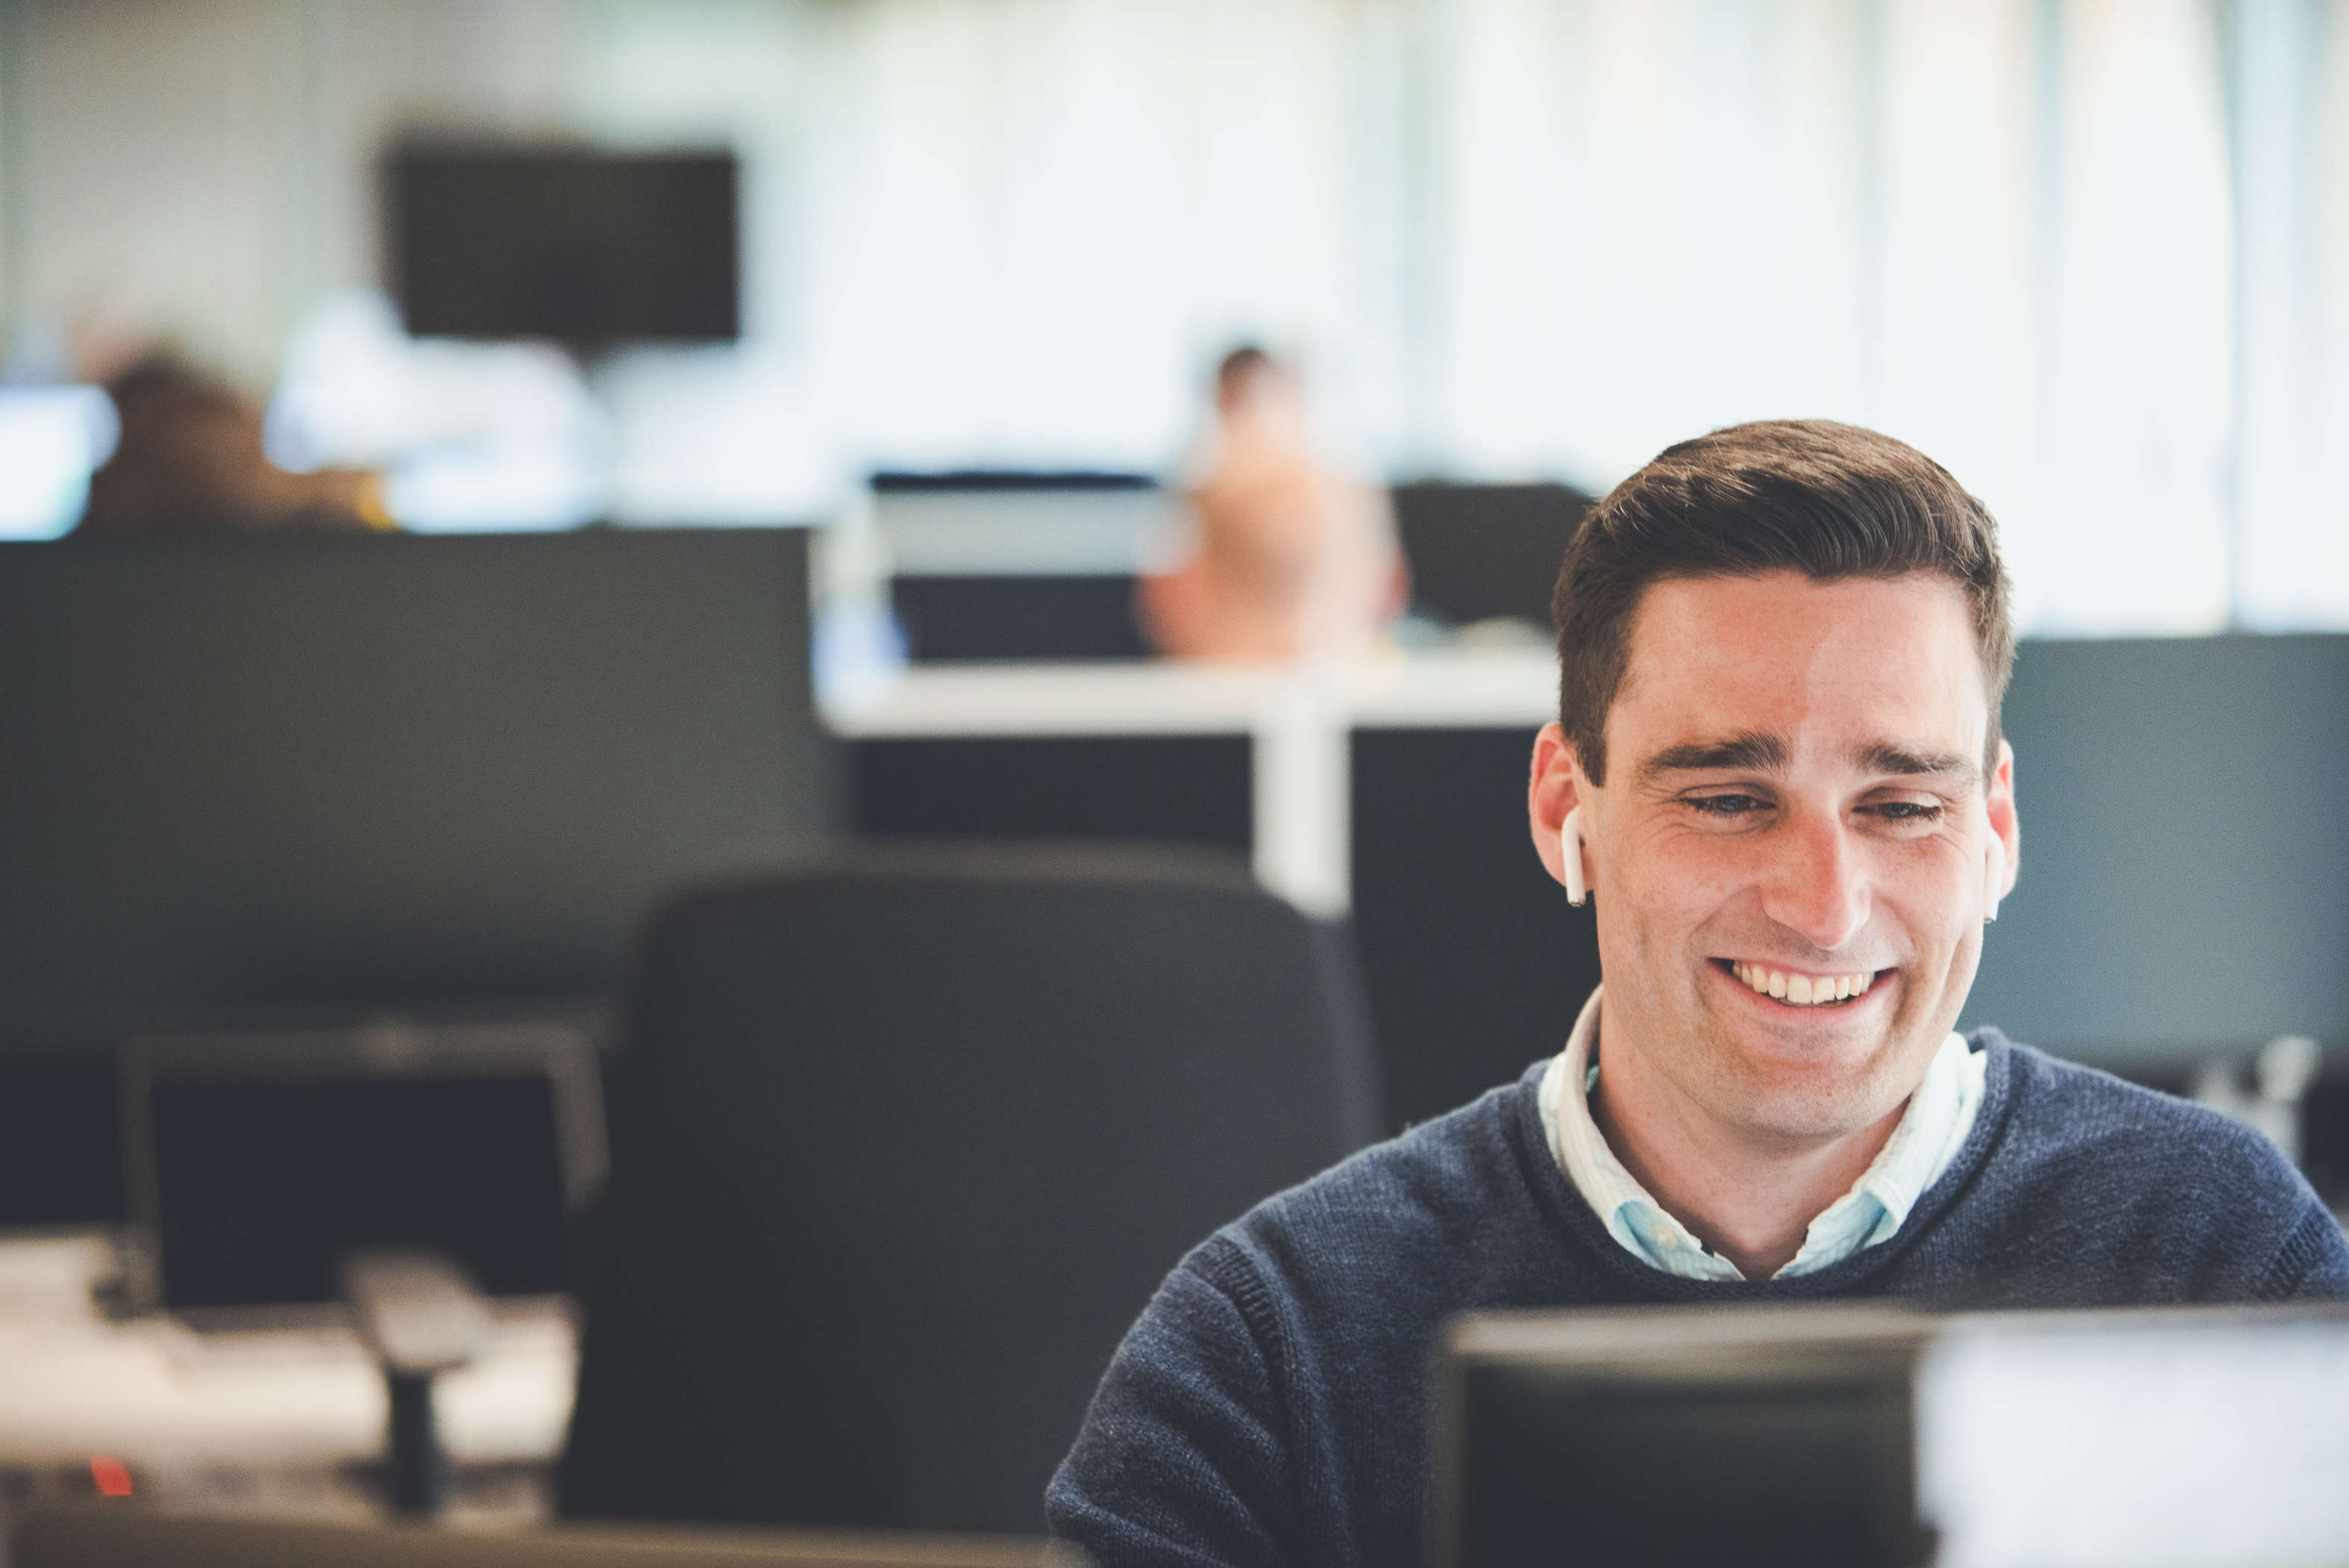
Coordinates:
[1794,789]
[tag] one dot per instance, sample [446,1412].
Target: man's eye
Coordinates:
[1906,810]
[1725,805]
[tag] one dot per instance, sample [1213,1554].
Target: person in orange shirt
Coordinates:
[1292,558]
[191,461]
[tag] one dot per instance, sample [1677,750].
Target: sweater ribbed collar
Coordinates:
[1577,1226]
[1932,1127]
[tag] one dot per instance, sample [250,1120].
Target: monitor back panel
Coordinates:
[1482,551]
[2185,873]
[1654,1437]
[342,774]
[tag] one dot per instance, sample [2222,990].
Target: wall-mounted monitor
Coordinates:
[587,248]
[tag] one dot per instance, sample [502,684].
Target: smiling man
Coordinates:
[1778,772]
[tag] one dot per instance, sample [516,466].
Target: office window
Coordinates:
[2092,253]
[2084,250]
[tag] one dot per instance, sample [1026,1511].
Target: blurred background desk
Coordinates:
[288,1418]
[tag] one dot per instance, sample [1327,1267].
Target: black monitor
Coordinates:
[2185,873]
[257,1162]
[1003,565]
[314,780]
[1867,1433]
[1486,551]
[585,247]
[1663,1438]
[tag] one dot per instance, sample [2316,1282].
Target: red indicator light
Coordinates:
[109,1476]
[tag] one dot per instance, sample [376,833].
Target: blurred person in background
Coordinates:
[1291,558]
[190,460]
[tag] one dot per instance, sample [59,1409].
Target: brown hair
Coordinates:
[190,461]
[1828,500]
[1246,359]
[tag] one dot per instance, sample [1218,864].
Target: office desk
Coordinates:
[224,1418]
[1296,724]
[1389,791]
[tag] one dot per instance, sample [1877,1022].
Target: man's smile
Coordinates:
[1789,987]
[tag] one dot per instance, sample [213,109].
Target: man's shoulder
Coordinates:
[1269,1405]
[2064,1107]
[2080,1189]
[1468,1185]
[2084,1128]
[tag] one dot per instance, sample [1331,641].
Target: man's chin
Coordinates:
[1809,1115]
[1813,1074]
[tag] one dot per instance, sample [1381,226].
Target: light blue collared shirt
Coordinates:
[1939,1115]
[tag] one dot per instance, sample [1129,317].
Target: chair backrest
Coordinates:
[901,1145]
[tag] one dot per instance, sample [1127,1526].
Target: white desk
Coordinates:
[162,1398]
[1297,720]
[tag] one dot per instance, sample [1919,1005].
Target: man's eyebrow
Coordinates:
[1884,757]
[1754,751]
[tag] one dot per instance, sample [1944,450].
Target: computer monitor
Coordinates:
[1486,551]
[314,781]
[122,1535]
[1868,1434]
[587,248]
[1000,565]
[257,1162]
[2185,872]
[1667,1438]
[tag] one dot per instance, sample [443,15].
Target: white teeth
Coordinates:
[1802,990]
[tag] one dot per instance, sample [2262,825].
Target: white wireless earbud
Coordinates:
[1994,877]
[1569,849]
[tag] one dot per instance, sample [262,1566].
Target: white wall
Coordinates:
[203,168]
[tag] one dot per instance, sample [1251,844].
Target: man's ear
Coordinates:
[2004,822]
[1557,788]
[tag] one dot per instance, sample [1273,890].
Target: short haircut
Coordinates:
[1831,501]
[1243,360]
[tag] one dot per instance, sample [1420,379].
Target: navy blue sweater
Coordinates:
[1270,1405]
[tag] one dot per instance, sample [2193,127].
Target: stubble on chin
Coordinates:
[1778,1097]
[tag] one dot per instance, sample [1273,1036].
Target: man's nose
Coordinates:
[1818,887]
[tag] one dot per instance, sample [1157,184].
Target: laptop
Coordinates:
[257,1162]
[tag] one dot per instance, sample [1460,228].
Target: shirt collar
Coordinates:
[1940,1114]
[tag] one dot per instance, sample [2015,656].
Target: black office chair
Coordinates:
[900,1147]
